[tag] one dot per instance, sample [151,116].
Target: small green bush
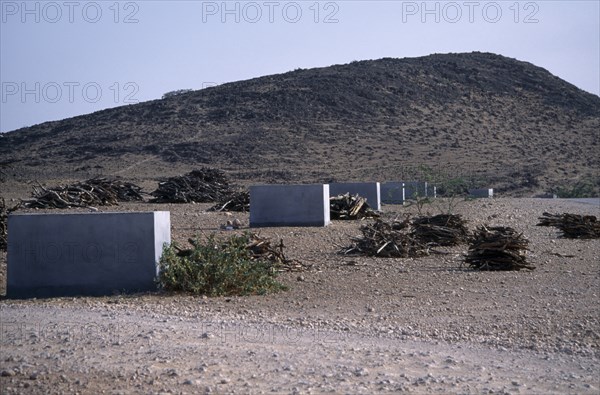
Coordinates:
[585,188]
[217,268]
[453,187]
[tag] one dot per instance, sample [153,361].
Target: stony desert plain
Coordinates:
[348,324]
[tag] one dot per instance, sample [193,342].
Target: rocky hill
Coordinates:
[481,118]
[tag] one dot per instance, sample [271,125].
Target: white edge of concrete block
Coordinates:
[378,208]
[162,233]
[326,205]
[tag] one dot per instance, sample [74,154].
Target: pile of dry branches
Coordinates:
[349,207]
[206,185]
[4,212]
[385,239]
[441,230]
[498,248]
[93,192]
[573,226]
[238,201]
[402,239]
[262,249]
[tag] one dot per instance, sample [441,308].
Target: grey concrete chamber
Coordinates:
[481,193]
[84,254]
[289,205]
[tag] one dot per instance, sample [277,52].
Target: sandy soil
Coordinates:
[349,325]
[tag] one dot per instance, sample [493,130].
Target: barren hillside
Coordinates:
[485,118]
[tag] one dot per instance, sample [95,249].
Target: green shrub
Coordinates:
[217,268]
[453,187]
[585,188]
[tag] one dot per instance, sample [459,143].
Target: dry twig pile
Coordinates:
[441,230]
[236,201]
[384,239]
[206,185]
[4,212]
[262,249]
[498,248]
[573,226]
[349,207]
[93,192]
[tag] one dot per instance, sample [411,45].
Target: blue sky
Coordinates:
[66,58]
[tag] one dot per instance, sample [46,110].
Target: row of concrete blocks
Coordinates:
[102,253]
[308,205]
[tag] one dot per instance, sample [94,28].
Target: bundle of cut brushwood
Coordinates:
[573,226]
[206,185]
[262,249]
[441,230]
[384,239]
[498,248]
[350,207]
[4,212]
[238,201]
[93,192]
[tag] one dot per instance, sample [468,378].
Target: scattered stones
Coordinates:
[361,372]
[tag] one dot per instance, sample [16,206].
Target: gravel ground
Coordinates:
[349,325]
